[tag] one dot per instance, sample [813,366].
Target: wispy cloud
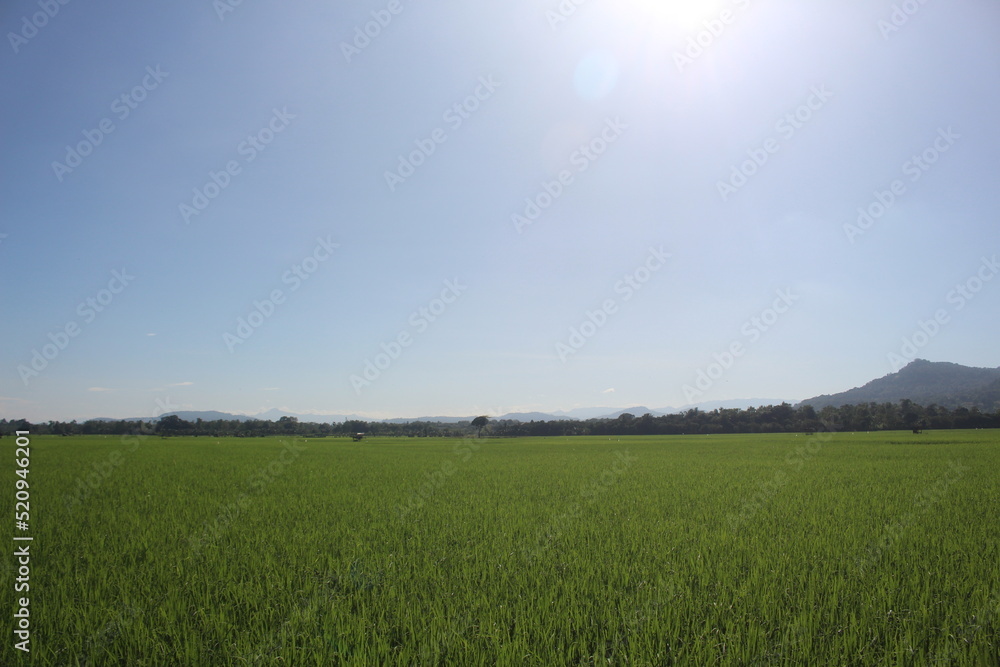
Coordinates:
[609,391]
[99,389]
[181,384]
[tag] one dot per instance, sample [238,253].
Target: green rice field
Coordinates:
[830,549]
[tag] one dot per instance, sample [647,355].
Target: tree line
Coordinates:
[782,418]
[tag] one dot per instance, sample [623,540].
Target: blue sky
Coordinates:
[697,168]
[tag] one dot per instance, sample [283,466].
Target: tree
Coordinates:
[645,425]
[172,425]
[911,413]
[288,425]
[480,423]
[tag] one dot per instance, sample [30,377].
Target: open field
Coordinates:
[835,549]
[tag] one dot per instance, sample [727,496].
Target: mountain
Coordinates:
[513,416]
[637,411]
[531,417]
[441,420]
[205,415]
[925,382]
[274,414]
[582,413]
[189,415]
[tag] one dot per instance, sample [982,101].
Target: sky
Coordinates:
[396,209]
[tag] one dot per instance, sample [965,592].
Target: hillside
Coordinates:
[925,382]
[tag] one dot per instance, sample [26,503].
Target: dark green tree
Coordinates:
[172,425]
[479,423]
[288,425]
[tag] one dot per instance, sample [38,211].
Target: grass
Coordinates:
[839,549]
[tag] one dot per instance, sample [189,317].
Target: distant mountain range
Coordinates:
[925,382]
[577,413]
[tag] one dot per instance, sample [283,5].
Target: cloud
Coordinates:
[609,391]
[151,334]
[99,389]
[181,384]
